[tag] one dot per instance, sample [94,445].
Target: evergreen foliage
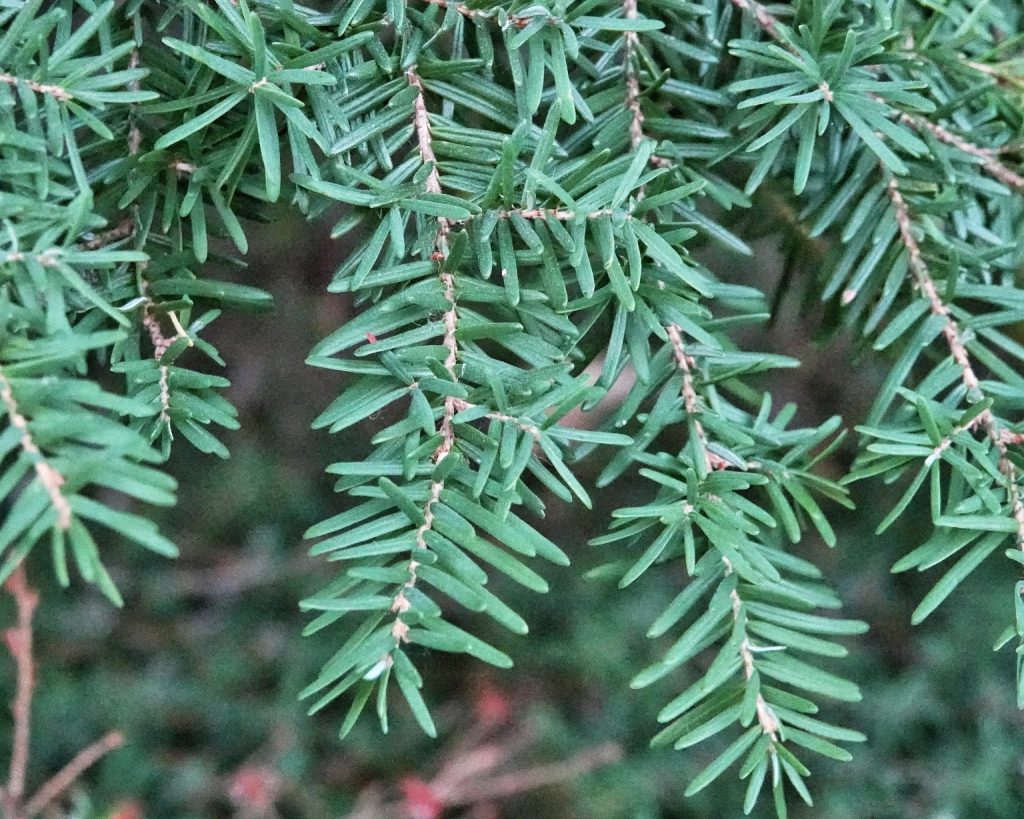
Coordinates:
[540,201]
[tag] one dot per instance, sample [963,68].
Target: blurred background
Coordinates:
[201,668]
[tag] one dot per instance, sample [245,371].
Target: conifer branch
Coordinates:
[958,349]
[558,214]
[769,23]
[49,478]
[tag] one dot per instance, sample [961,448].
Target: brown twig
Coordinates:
[55,91]
[470,778]
[764,18]
[498,787]
[149,319]
[553,213]
[69,774]
[122,230]
[992,166]
[421,125]
[49,478]
[424,140]
[461,8]
[1000,76]
[156,333]
[529,428]
[541,214]
[926,285]
[1000,437]
[519,21]
[19,644]
[765,715]
[134,134]
[631,42]
[691,401]
[160,345]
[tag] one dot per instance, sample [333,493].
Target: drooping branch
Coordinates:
[958,350]
[691,402]
[149,319]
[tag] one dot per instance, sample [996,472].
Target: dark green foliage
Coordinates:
[537,201]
